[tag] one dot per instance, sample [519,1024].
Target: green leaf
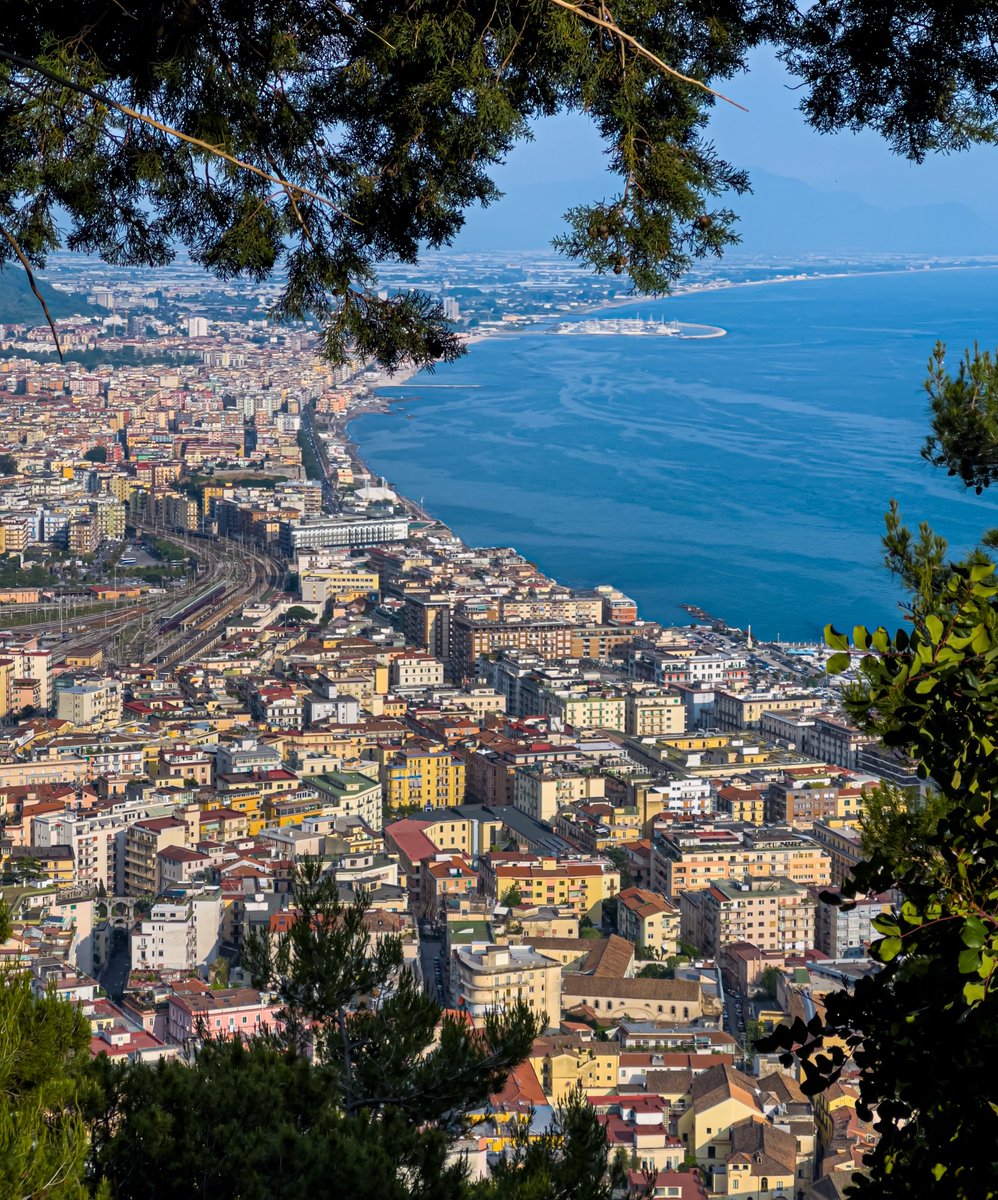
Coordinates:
[889,948]
[969,961]
[981,571]
[861,638]
[934,628]
[974,932]
[838,663]
[981,640]
[973,993]
[834,639]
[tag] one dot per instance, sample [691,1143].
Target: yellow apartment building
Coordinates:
[578,883]
[540,790]
[654,714]
[428,777]
[565,1063]
[648,920]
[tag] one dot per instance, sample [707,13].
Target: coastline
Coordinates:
[404,374]
[374,399]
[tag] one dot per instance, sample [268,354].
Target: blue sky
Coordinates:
[773,136]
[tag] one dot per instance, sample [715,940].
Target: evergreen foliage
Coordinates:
[569,1162]
[44,1046]
[323,140]
[374,1105]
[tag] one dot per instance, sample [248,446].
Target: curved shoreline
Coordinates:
[374,399]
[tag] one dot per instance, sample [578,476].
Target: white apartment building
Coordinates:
[94,703]
[487,978]
[414,671]
[179,937]
[97,840]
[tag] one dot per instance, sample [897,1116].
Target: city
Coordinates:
[228,649]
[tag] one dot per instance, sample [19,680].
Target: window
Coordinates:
[764,1184]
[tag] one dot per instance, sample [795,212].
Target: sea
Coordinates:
[746,475]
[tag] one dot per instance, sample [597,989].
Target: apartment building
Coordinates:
[648,920]
[741,804]
[743,710]
[96,838]
[541,789]
[90,703]
[575,882]
[414,671]
[847,933]
[771,914]
[488,978]
[470,638]
[685,796]
[341,531]
[692,858]
[654,713]
[143,842]
[428,777]
[228,1014]
[180,936]
[585,710]
[842,841]
[350,794]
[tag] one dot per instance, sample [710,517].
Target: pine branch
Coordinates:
[626,38]
[22,258]
[146,119]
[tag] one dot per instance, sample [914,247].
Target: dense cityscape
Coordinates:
[228,649]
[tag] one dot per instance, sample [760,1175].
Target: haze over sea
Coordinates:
[747,475]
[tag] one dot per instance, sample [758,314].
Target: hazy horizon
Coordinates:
[564,165]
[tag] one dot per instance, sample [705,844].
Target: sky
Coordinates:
[772,136]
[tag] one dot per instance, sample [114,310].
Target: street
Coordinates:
[115,975]
[431,961]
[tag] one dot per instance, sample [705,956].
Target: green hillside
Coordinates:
[18,303]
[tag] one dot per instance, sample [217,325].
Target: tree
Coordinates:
[511,897]
[323,140]
[923,1031]
[220,973]
[623,864]
[25,869]
[769,981]
[45,1048]
[297,614]
[364,1081]
[96,454]
[658,970]
[8,464]
[570,1161]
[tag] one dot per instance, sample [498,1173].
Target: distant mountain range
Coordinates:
[18,303]
[780,216]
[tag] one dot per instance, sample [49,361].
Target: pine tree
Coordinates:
[365,1082]
[43,1053]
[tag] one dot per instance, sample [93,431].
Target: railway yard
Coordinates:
[180,623]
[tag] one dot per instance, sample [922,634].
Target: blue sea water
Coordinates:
[747,475]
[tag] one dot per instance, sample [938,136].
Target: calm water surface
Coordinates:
[748,475]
